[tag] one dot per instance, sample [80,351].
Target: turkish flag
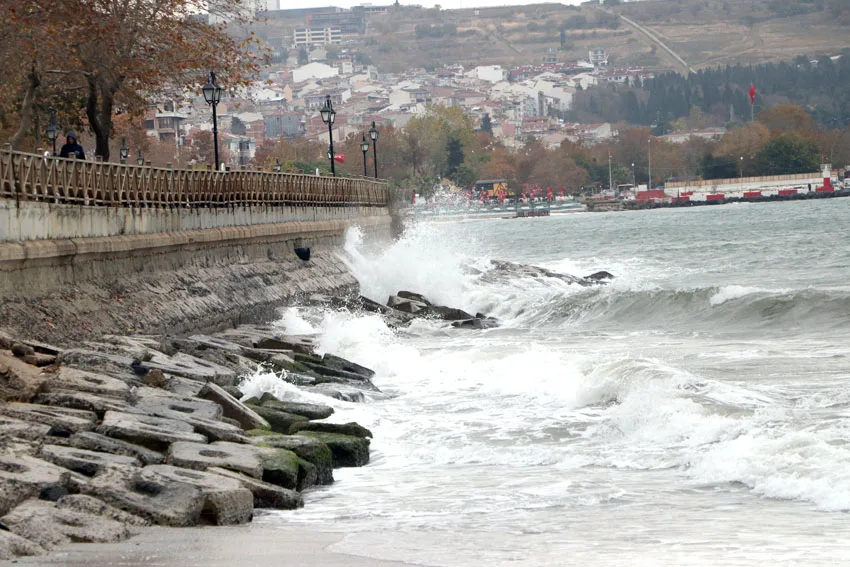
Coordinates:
[752,93]
[339,158]
[549,193]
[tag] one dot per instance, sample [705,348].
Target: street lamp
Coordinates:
[328,117]
[634,178]
[53,130]
[364,147]
[212,95]
[123,151]
[373,133]
[277,165]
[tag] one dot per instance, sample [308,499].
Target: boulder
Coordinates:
[100,443]
[600,277]
[11,427]
[310,411]
[12,546]
[226,501]
[347,451]
[154,379]
[233,408]
[448,313]
[216,343]
[72,419]
[279,421]
[333,366]
[155,433]
[310,449]
[23,476]
[157,500]
[49,526]
[83,461]
[266,495]
[198,456]
[91,505]
[351,428]
[413,296]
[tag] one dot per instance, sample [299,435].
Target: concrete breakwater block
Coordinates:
[23,476]
[309,449]
[12,546]
[225,501]
[240,458]
[71,419]
[279,421]
[85,401]
[68,378]
[310,411]
[83,461]
[162,502]
[91,505]
[100,443]
[347,451]
[351,428]
[233,408]
[155,433]
[50,526]
[300,344]
[16,428]
[266,495]
[342,392]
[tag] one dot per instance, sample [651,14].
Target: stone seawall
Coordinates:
[67,289]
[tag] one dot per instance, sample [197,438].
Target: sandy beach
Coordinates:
[254,545]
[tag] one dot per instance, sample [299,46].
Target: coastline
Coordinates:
[254,544]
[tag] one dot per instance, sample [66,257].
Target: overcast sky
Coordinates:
[448,4]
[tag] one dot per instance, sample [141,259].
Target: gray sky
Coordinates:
[449,4]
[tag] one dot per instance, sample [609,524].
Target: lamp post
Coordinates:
[364,147]
[373,133]
[124,151]
[140,159]
[634,178]
[53,130]
[649,153]
[276,165]
[328,117]
[212,95]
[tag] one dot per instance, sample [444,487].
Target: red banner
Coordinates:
[339,158]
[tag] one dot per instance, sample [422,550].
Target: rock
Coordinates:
[68,378]
[100,443]
[19,381]
[413,296]
[83,461]
[448,313]
[216,343]
[338,392]
[85,401]
[75,420]
[198,456]
[49,526]
[600,277]
[280,467]
[233,408]
[52,493]
[91,505]
[39,359]
[353,429]
[488,323]
[23,476]
[310,411]
[183,386]
[21,350]
[266,495]
[11,427]
[226,501]
[334,366]
[347,451]
[160,403]
[297,344]
[373,306]
[215,430]
[279,421]
[159,501]
[406,305]
[154,379]
[155,433]
[309,449]
[12,546]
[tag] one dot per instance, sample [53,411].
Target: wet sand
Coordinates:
[254,545]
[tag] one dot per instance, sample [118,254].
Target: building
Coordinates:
[316,36]
[284,125]
[166,127]
[370,9]
[346,21]
[313,71]
[598,57]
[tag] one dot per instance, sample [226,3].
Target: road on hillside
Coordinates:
[680,64]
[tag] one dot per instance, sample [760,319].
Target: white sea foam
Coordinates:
[732,292]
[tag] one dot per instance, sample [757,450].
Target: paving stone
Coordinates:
[160,501]
[83,461]
[226,500]
[72,419]
[266,495]
[103,444]
[241,458]
[155,433]
[48,526]
[233,408]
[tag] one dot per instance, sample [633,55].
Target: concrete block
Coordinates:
[233,408]
[155,433]
[49,526]
[266,495]
[100,443]
[83,461]
[23,476]
[91,505]
[241,458]
[72,419]
[68,378]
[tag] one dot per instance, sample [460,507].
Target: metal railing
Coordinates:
[33,177]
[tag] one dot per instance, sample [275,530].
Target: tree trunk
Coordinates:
[27,107]
[99,104]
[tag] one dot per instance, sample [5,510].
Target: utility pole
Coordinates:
[610,178]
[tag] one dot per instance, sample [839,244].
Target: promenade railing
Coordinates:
[33,177]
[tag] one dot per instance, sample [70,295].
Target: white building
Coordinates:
[489,73]
[316,36]
[313,71]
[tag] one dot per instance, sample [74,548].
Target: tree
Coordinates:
[745,141]
[786,118]
[787,154]
[454,156]
[303,56]
[487,124]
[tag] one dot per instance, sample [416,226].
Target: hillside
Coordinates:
[703,32]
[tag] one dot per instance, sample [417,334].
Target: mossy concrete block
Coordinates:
[280,467]
[310,411]
[279,421]
[310,449]
[347,450]
[351,428]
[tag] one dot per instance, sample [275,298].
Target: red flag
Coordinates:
[339,158]
[752,93]
[549,193]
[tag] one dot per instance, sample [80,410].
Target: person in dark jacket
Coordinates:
[72,148]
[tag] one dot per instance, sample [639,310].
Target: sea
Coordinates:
[694,411]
